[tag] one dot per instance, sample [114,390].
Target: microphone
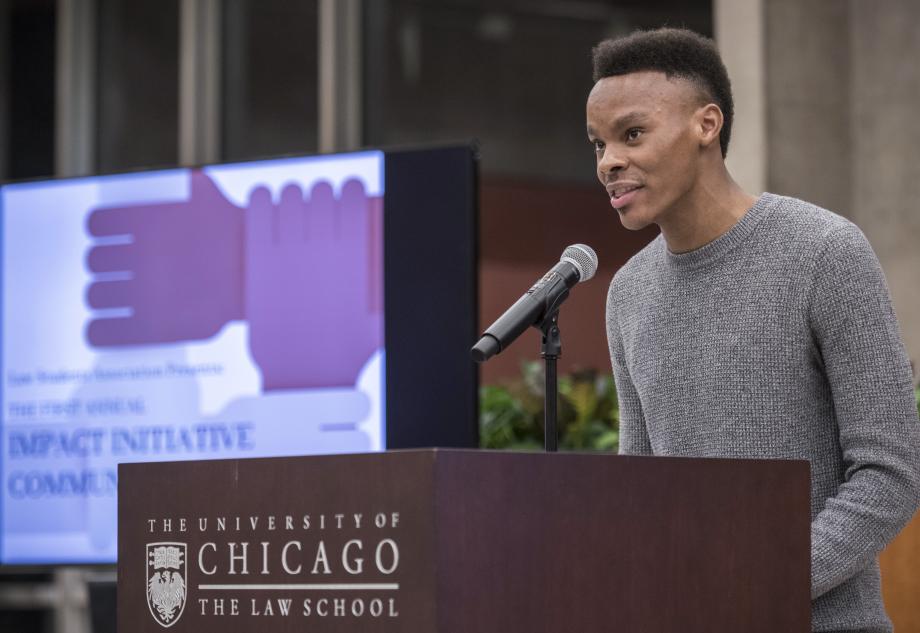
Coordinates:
[578,263]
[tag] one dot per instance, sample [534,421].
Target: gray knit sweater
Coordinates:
[778,340]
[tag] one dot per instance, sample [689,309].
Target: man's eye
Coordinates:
[633,134]
[598,146]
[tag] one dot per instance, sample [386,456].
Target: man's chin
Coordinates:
[632,220]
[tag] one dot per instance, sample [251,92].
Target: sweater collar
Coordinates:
[724,243]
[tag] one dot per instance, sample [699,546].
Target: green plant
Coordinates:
[511,414]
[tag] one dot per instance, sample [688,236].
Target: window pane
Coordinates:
[138,84]
[514,75]
[27,89]
[270,78]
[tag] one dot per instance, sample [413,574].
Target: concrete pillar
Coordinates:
[340,104]
[808,69]
[199,81]
[739,32]
[75,102]
[843,95]
[885,161]
[71,606]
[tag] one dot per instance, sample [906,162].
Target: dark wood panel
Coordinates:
[458,541]
[598,543]
[900,580]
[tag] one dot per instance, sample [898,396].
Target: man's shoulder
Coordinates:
[808,238]
[808,225]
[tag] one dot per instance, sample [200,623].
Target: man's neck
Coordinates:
[708,211]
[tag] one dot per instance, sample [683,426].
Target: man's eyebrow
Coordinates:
[630,118]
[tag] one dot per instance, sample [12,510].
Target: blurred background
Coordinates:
[827,97]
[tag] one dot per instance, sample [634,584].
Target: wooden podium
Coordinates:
[453,541]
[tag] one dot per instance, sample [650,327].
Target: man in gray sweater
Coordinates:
[751,327]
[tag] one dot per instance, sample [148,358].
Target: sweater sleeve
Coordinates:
[869,375]
[634,438]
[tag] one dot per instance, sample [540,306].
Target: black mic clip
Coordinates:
[552,340]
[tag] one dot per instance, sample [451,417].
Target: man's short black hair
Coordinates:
[676,53]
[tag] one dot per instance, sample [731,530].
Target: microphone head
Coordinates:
[582,257]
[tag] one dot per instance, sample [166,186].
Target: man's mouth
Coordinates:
[618,192]
[621,195]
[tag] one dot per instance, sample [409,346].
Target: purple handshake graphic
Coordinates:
[305,272]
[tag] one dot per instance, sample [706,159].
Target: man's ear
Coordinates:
[708,123]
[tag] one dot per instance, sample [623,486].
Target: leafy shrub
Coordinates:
[511,414]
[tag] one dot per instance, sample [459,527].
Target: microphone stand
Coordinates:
[550,350]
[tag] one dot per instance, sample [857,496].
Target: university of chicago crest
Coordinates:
[166,584]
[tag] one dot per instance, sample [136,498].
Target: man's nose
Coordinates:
[611,161]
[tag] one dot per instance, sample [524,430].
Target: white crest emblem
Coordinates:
[166,587]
